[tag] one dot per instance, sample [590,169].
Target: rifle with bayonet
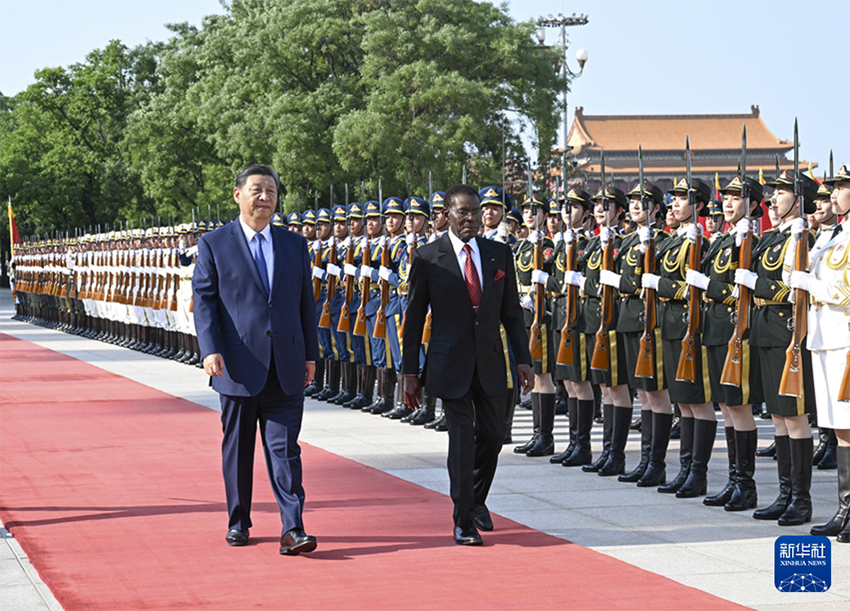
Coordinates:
[601,359]
[317,259]
[380,330]
[535,342]
[325,319]
[791,384]
[432,218]
[565,349]
[365,280]
[344,325]
[733,366]
[686,370]
[645,367]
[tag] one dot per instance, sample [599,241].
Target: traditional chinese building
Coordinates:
[715,147]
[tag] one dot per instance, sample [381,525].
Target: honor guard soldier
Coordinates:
[534,255]
[493,213]
[324,235]
[714,221]
[698,423]
[314,249]
[515,225]
[770,333]
[828,340]
[344,355]
[293,222]
[441,217]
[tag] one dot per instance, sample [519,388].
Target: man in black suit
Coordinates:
[470,285]
[256,324]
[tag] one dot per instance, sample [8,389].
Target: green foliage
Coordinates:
[328,92]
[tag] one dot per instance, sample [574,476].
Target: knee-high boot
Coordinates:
[829,460]
[645,448]
[721,498]
[510,407]
[572,413]
[607,433]
[616,462]
[367,388]
[799,510]
[426,411]
[318,382]
[838,524]
[744,494]
[705,432]
[388,402]
[379,399]
[686,448]
[535,417]
[783,466]
[584,423]
[545,444]
[358,386]
[656,470]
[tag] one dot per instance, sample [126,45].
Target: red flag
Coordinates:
[13,229]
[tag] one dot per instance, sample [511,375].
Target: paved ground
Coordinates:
[727,554]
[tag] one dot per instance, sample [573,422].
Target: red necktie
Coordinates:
[473,284]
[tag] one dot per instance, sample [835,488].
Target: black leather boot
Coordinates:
[388,403]
[438,421]
[607,432]
[622,422]
[379,399]
[358,387]
[799,510]
[572,411]
[823,441]
[318,380]
[686,448]
[584,423]
[744,495]
[829,460]
[656,470]
[696,484]
[344,382]
[645,448]
[535,418]
[768,452]
[545,444]
[721,498]
[783,466]
[367,388]
[426,412]
[332,376]
[839,521]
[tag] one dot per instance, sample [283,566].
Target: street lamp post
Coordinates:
[581,56]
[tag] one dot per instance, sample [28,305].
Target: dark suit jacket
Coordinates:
[235,317]
[460,339]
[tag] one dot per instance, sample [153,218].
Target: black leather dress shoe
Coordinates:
[482,519]
[295,541]
[236,538]
[467,535]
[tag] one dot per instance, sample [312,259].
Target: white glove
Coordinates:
[411,240]
[746,278]
[803,281]
[693,231]
[367,271]
[798,226]
[558,237]
[742,228]
[350,270]
[569,236]
[695,278]
[650,281]
[609,278]
[534,236]
[574,278]
[605,236]
[527,302]
[346,243]
[384,273]
[645,235]
[319,273]
[334,270]
[539,276]
[502,234]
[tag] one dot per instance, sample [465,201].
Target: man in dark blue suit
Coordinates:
[256,325]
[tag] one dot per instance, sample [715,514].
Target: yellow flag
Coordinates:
[761,177]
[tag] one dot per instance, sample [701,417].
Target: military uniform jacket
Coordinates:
[524,257]
[590,264]
[556,280]
[719,265]
[672,288]
[829,315]
[629,264]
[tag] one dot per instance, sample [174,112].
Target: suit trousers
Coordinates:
[476,424]
[279,416]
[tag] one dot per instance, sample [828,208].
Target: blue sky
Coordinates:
[646,56]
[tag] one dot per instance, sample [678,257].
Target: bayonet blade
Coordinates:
[463,179]
[830,164]
[380,196]
[744,153]
[796,150]
[688,159]
[430,188]
[346,197]
[640,178]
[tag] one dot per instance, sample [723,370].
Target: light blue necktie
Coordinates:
[260,260]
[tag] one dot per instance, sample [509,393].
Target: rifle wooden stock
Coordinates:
[791,384]
[645,366]
[535,342]
[325,320]
[602,348]
[380,330]
[686,371]
[344,325]
[732,367]
[317,283]
[565,349]
[844,388]
[426,331]
[365,289]
[175,281]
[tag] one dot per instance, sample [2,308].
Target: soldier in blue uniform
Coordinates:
[293,222]
[324,234]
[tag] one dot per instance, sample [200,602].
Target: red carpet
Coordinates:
[114,491]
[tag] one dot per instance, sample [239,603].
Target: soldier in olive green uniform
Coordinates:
[542,442]
[719,316]
[771,334]
[698,422]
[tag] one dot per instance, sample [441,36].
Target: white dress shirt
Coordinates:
[458,245]
[254,242]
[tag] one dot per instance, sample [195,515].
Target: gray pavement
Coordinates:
[726,554]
